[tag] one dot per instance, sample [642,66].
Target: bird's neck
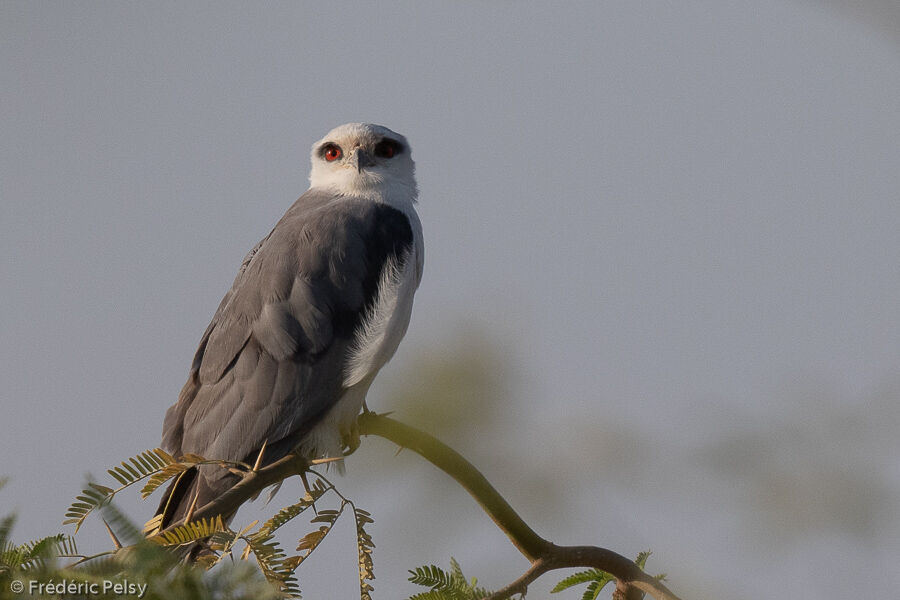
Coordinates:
[398,194]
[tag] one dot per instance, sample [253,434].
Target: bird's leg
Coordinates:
[351,438]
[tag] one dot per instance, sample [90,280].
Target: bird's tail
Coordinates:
[182,497]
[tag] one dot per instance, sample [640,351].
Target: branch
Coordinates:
[249,486]
[543,554]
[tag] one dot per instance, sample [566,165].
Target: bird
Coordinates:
[317,308]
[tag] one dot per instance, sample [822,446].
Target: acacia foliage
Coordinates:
[153,556]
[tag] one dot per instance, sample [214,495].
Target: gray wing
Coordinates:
[271,362]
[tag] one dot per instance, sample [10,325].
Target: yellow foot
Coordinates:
[350,439]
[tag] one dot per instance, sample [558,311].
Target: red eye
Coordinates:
[332,153]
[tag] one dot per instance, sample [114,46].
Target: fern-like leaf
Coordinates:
[594,588]
[577,578]
[311,540]
[44,547]
[129,472]
[597,579]
[364,545]
[190,532]
[430,576]
[34,554]
[277,568]
[12,557]
[163,475]
[66,547]
[444,585]
[328,516]
[456,570]
[92,497]
[431,595]
[290,512]
[140,466]
[154,525]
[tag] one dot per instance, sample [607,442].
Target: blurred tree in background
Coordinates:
[820,471]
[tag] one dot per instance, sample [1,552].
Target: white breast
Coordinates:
[385,323]
[383,327]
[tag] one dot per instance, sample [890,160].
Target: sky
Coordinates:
[661,252]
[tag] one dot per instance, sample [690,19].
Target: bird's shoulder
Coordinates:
[309,280]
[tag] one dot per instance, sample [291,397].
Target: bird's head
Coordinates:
[363,159]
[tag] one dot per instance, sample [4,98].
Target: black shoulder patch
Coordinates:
[390,237]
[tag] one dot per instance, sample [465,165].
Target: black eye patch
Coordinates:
[388,148]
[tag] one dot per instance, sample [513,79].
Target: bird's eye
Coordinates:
[331,152]
[387,148]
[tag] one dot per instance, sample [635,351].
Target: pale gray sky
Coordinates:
[677,224]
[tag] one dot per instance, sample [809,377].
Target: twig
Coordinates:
[252,483]
[520,585]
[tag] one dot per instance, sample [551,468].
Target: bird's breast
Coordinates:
[385,322]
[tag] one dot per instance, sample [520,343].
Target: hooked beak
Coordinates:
[360,159]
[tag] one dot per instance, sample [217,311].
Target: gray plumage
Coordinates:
[276,357]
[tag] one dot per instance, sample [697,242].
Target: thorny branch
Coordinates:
[250,485]
[543,555]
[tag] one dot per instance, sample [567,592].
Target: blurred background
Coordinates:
[660,305]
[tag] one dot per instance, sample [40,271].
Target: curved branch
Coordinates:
[451,462]
[543,554]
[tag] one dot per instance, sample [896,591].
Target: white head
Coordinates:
[361,159]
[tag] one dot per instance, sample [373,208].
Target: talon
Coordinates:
[351,439]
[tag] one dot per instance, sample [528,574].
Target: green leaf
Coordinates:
[91,498]
[277,568]
[190,532]
[162,476]
[430,575]
[444,585]
[6,525]
[578,578]
[138,467]
[289,512]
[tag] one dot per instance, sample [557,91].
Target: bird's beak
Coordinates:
[360,159]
